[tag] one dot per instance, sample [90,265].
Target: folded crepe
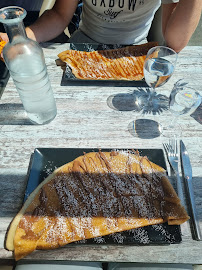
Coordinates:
[96,194]
[116,64]
[2,44]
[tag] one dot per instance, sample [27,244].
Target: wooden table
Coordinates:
[94,117]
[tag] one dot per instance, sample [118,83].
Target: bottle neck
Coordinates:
[15,31]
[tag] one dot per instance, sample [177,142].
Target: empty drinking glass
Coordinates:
[184,100]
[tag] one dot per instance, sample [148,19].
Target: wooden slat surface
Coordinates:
[94,117]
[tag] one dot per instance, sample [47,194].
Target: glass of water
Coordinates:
[159,66]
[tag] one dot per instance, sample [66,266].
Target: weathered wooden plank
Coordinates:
[94,117]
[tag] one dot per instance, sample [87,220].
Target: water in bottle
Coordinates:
[25,61]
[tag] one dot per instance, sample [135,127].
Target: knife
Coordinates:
[187,175]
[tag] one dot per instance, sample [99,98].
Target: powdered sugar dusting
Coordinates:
[99,240]
[49,167]
[118,64]
[101,193]
[141,235]
[118,238]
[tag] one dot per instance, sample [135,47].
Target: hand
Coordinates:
[4,37]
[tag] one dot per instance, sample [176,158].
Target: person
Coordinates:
[119,21]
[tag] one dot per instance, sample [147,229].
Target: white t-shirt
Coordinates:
[118,21]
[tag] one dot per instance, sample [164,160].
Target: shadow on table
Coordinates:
[13,114]
[12,192]
[134,101]
[197,115]
[144,128]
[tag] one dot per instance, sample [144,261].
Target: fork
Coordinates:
[171,149]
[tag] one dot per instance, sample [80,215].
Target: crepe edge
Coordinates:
[16,220]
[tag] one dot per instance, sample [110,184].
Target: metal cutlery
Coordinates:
[187,175]
[171,149]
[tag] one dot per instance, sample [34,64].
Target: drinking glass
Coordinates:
[159,66]
[184,100]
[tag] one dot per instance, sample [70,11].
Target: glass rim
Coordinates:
[164,47]
[20,16]
[190,83]
[175,54]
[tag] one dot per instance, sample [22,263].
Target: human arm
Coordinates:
[52,22]
[179,21]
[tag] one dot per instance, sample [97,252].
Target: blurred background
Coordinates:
[27,4]
[32,7]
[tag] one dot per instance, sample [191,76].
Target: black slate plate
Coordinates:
[69,79]
[45,160]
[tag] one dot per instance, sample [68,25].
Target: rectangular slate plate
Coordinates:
[69,79]
[45,160]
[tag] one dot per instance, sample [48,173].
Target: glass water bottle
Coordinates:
[25,60]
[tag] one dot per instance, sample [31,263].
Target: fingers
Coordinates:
[4,37]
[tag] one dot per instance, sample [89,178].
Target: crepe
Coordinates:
[117,64]
[2,44]
[96,194]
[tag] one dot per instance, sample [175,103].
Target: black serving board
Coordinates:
[68,77]
[45,160]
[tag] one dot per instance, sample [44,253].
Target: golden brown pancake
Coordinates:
[117,64]
[2,44]
[96,194]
